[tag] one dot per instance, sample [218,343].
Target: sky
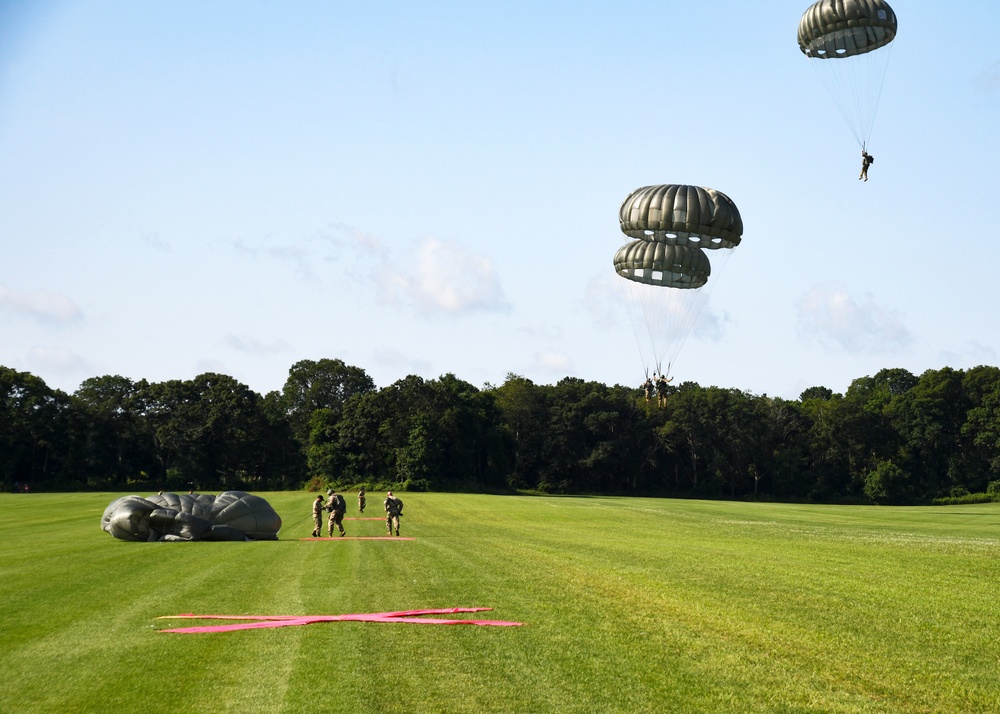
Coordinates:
[432,188]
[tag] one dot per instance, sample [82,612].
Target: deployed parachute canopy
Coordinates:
[666,267]
[233,515]
[849,44]
[681,215]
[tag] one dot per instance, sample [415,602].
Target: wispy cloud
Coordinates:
[831,316]
[445,278]
[42,306]
[56,360]
[250,345]
[297,256]
[989,78]
[968,354]
[399,363]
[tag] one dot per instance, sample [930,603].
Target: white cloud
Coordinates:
[836,319]
[554,362]
[43,306]
[445,279]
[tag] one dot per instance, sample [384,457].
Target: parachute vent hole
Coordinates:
[656,275]
[841,51]
[648,233]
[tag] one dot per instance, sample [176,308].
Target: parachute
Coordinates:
[664,262]
[233,515]
[848,42]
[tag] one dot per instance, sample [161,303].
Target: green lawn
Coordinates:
[630,605]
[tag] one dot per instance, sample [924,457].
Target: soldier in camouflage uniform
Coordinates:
[393,510]
[337,507]
[318,517]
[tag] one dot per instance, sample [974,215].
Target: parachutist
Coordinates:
[647,388]
[661,389]
[866,161]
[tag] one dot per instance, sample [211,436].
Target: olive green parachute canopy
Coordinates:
[681,215]
[666,267]
[232,515]
[832,29]
[663,264]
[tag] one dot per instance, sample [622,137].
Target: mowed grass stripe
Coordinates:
[630,605]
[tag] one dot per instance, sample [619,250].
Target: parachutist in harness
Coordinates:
[661,389]
[647,388]
[866,161]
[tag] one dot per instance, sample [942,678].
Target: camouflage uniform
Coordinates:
[337,507]
[361,501]
[318,517]
[393,509]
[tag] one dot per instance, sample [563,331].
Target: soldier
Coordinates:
[661,389]
[866,161]
[337,507]
[393,510]
[361,501]
[318,517]
[647,388]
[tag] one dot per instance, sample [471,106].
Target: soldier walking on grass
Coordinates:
[361,501]
[337,507]
[318,517]
[393,510]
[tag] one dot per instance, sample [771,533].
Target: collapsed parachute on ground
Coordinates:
[848,43]
[666,267]
[232,515]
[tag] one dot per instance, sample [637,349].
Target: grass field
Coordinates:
[630,605]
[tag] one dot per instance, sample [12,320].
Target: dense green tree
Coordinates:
[524,412]
[115,450]
[320,384]
[36,433]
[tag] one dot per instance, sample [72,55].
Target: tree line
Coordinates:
[892,438]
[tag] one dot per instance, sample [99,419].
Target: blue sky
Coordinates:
[424,188]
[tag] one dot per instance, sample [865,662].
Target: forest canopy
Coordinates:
[893,437]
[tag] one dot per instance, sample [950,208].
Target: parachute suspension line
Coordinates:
[878,80]
[855,86]
[631,293]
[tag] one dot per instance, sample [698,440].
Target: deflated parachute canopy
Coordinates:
[232,515]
